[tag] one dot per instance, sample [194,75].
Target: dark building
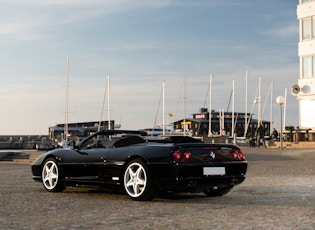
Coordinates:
[199,124]
[77,130]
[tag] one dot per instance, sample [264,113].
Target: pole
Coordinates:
[285,107]
[271,107]
[246,102]
[163,108]
[102,111]
[108,102]
[210,107]
[184,106]
[281,101]
[259,103]
[281,138]
[233,127]
[67,102]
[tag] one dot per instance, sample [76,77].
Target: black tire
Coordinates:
[218,191]
[51,176]
[137,181]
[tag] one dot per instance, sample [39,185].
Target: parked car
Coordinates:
[142,167]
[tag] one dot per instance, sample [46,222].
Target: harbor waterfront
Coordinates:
[278,193]
[26,156]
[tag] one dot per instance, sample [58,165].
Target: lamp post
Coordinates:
[280,101]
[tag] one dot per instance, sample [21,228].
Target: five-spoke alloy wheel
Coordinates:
[138,183]
[51,176]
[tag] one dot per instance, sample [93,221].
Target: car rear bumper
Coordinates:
[197,184]
[194,177]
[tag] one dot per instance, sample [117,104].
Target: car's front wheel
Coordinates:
[138,183]
[51,176]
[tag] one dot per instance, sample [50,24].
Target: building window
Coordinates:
[303,1]
[308,66]
[306,28]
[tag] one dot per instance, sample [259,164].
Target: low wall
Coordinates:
[3,155]
[220,139]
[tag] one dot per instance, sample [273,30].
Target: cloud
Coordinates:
[27,20]
[291,30]
[30,20]
[132,46]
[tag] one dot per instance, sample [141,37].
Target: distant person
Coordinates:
[261,136]
[306,135]
[251,141]
[275,134]
[291,135]
[223,132]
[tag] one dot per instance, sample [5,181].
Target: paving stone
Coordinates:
[278,193]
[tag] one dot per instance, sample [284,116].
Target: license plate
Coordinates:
[214,171]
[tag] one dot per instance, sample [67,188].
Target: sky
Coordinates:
[140,44]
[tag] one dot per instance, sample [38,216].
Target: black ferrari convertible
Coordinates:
[141,166]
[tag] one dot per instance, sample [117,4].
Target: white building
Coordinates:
[305,87]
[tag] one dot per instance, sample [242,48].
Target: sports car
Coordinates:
[143,167]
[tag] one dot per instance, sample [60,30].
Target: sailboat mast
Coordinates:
[246,102]
[67,95]
[233,127]
[210,106]
[163,105]
[108,102]
[285,107]
[102,111]
[259,103]
[271,107]
[184,106]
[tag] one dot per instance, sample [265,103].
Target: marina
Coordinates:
[211,123]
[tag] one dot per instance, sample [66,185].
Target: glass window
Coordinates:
[306,28]
[306,67]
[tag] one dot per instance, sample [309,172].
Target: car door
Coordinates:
[85,164]
[113,164]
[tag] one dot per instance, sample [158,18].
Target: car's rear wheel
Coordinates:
[51,176]
[218,191]
[138,183]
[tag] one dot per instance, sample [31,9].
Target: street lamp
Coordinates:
[280,101]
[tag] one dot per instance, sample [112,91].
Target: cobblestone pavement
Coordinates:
[278,193]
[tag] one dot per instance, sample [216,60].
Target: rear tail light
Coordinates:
[238,155]
[179,156]
[187,155]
